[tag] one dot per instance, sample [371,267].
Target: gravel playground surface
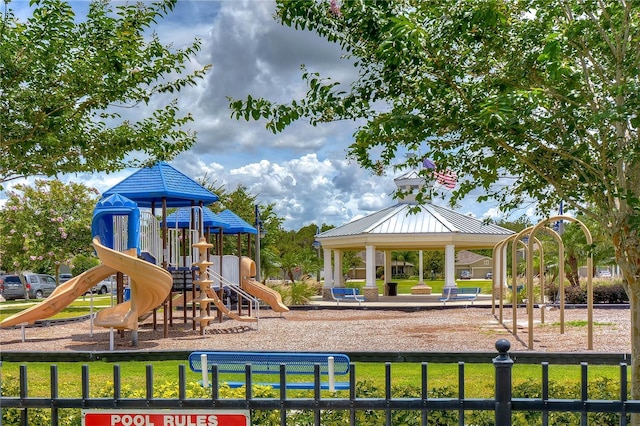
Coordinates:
[344,330]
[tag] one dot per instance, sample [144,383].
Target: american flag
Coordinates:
[446,178]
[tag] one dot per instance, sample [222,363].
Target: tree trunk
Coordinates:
[627,247]
[634,300]
[572,274]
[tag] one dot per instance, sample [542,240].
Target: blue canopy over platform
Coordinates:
[151,185]
[236,225]
[182,219]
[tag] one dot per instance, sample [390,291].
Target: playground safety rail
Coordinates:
[501,407]
[235,288]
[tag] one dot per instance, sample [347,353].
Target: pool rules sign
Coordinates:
[165,418]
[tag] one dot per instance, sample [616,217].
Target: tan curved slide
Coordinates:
[262,292]
[256,289]
[150,285]
[61,297]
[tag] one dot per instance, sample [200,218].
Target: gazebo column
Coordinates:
[337,269]
[328,276]
[503,266]
[421,287]
[421,268]
[387,271]
[370,290]
[449,266]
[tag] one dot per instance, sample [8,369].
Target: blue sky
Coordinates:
[304,170]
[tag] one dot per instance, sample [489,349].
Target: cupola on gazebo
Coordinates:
[396,228]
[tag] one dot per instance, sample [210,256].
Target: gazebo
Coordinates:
[405,226]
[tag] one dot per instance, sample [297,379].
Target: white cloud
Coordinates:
[492,213]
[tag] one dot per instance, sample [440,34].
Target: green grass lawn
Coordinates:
[404,286]
[79,307]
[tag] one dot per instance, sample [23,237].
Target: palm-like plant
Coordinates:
[405,257]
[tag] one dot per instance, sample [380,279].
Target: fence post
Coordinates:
[503,365]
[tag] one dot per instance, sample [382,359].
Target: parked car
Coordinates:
[465,275]
[2,286]
[38,286]
[489,275]
[64,278]
[12,289]
[103,287]
[605,274]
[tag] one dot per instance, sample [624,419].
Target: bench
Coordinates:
[451,294]
[347,295]
[519,287]
[296,364]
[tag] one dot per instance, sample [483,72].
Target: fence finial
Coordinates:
[503,346]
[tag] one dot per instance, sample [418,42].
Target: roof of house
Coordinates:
[465,257]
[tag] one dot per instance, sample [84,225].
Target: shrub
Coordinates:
[297,293]
[575,295]
[609,293]
[10,386]
[600,388]
[602,293]
[83,263]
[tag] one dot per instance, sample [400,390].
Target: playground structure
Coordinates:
[136,244]
[527,238]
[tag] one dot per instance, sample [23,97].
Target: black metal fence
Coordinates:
[279,407]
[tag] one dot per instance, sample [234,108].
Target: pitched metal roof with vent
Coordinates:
[430,219]
[399,227]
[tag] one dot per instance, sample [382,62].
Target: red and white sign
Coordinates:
[165,418]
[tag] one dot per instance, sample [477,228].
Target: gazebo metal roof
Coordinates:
[397,227]
[150,185]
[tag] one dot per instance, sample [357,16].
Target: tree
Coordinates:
[433,261]
[241,202]
[404,257]
[44,226]
[64,82]
[530,100]
[576,248]
[350,261]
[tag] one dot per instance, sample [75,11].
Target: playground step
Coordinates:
[205,320]
[204,300]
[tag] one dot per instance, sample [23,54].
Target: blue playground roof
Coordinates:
[236,225]
[115,201]
[183,217]
[151,185]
